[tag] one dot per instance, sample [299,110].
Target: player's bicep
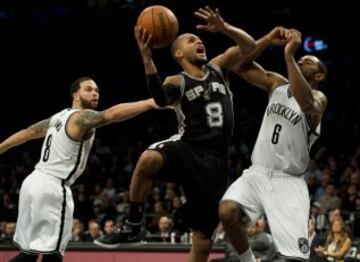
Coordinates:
[172,86]
[232,57]
[89,119]
[80,123]
[259,77]
[319,105]
[173,80]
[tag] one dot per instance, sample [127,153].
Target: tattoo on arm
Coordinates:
[40,127]
[90,119]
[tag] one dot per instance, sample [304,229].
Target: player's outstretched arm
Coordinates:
[311,102]
[143,38]
[37,130]
[163,93]
[215,23]
[255,74]
[82,122]
[276,37]
[259,77]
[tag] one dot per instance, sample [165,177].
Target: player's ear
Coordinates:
[178,54]
[319,77]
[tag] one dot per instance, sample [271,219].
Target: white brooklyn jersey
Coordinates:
[285,136]
[62,156]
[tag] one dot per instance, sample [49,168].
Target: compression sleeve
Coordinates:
[163,94]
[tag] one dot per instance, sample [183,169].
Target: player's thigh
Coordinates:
[243,193]
[287,207]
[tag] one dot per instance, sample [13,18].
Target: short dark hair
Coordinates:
[75,86]
[322,67]
[174,47]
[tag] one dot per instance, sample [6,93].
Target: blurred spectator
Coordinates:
[110,190]
[337,243]
[93,232]
[8,233]
[325,180]
[315,239]
[330,199]
[77,232]
[165,229]
[261,243]
[109,226]
[349,203]
[159,212]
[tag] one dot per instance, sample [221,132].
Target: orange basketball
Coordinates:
[161,23]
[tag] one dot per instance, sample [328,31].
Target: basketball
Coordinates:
[161,23]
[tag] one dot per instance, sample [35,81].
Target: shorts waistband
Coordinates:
[63,181]
[274,171]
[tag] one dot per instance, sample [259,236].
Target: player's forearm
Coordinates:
[122,112]
[300,88]
[260,46]
[163,94]
[16,139]
[243,39]
[149,66]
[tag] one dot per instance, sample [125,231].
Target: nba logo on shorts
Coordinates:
[303,245]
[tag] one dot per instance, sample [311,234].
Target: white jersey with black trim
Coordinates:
[286,134]
[61,156]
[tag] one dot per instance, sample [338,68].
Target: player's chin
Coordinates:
[94,105]
[202,59]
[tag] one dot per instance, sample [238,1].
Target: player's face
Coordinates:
[309,66]
[193,49]
[88,94]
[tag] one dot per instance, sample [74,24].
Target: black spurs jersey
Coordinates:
[205,114]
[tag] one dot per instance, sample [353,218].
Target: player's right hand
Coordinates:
[293,42]
[143,39]
[278,36]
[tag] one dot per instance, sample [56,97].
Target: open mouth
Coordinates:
[200,50]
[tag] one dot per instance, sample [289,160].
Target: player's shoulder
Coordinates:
[320,96]
[61,114]
[174,80]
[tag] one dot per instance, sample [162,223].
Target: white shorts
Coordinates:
[283,198]
[45,215]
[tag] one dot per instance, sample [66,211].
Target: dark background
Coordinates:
[45,45]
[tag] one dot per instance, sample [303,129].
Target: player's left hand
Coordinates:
[293,42]
[214,21]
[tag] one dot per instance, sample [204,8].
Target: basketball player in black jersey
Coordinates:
[196,158]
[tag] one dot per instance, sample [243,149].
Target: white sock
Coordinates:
[247,256]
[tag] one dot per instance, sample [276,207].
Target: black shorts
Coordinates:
[203,176]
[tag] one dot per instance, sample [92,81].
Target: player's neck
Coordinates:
[76,106]
[197,71]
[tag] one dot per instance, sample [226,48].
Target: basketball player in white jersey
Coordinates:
[45,202]
[274,184]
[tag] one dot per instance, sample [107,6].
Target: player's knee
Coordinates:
[229,212]
[201,243]
[149,162]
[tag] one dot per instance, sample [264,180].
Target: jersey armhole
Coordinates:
[311,126]
[271,90]
[182,86]
[66,128]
